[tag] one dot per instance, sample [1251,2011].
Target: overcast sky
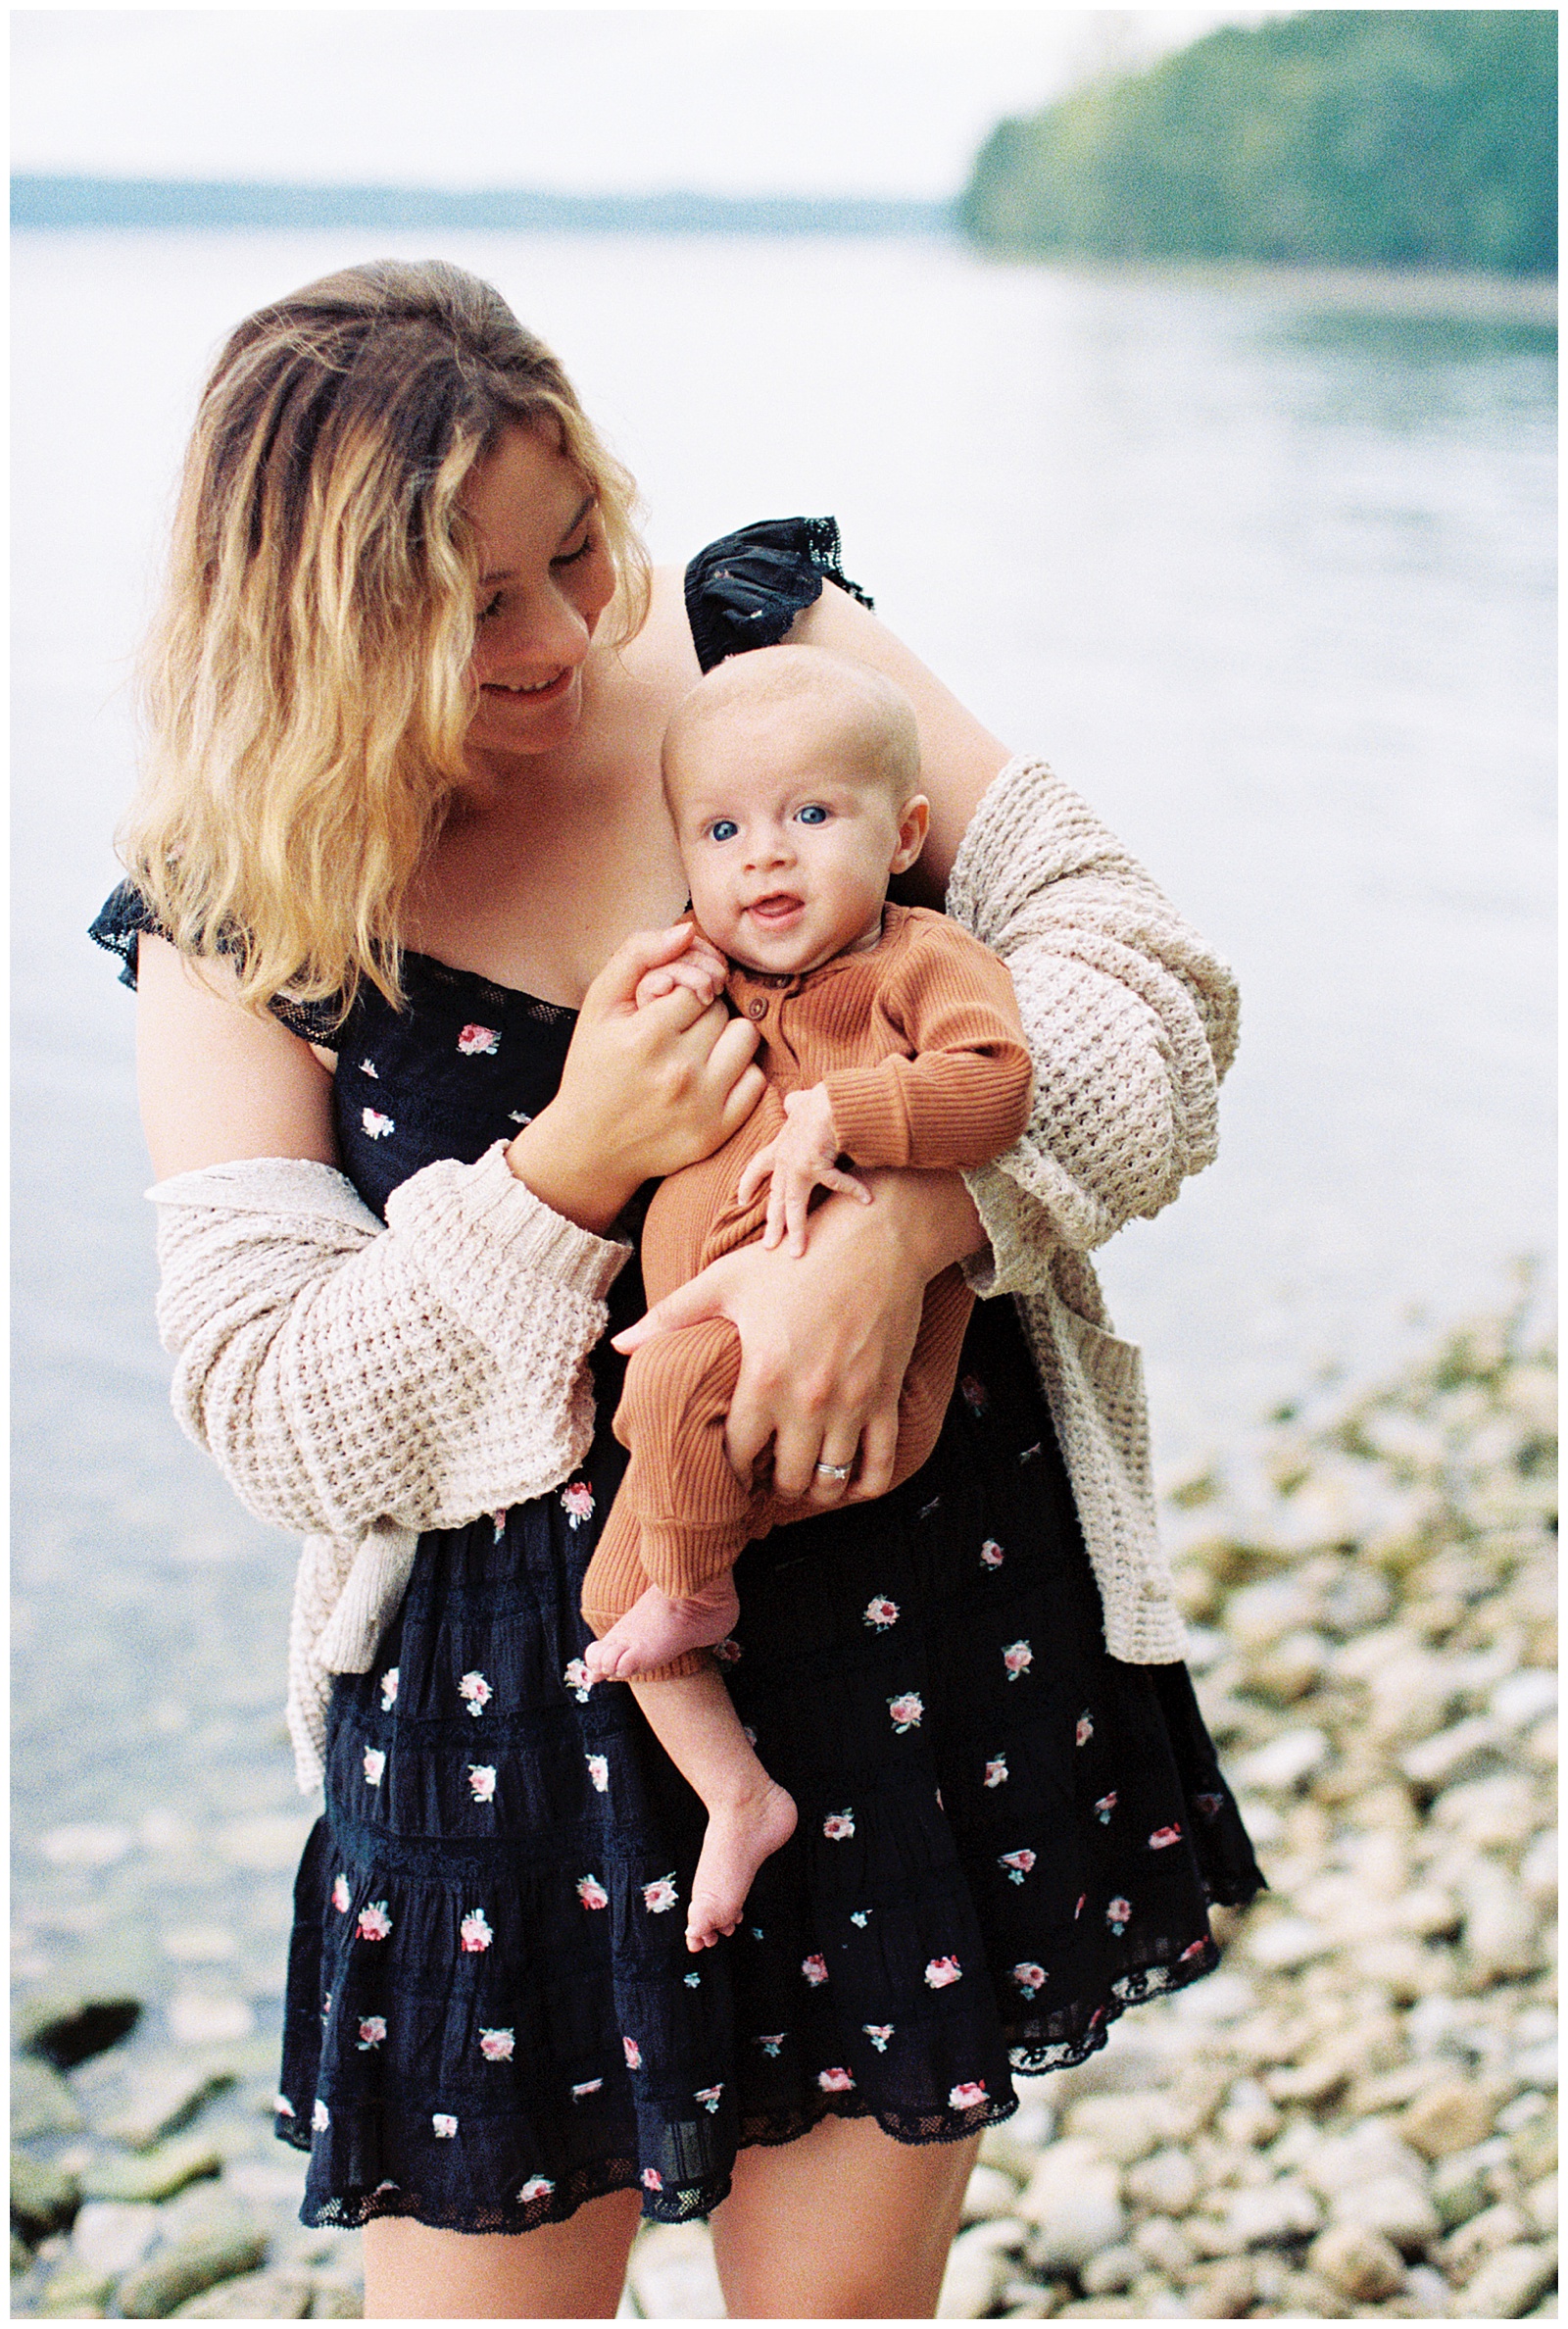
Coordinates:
[736,100]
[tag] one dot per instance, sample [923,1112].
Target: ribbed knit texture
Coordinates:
[918,1043]
[364,1383]
[1131,1021]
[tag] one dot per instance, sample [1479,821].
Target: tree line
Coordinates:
[1390,137]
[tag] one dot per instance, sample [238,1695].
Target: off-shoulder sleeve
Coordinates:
[126,915]
[746,588]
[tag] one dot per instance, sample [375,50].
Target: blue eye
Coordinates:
[722,828]
[814,814]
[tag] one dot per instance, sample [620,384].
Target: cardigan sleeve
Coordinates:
[343,1375]
[1131,1021]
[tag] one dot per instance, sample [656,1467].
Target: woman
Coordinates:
[400,861]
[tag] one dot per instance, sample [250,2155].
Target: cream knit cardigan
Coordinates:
[363,1383]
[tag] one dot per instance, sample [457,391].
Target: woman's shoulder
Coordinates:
[745,589]
[125,917]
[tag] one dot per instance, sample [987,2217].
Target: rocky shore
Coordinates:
[1354,2117]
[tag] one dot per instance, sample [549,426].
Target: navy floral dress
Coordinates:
[1005,1837]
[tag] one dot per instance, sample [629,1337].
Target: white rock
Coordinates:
[270,1843]
[200,1945]
[1074,2202]
[1541,2203]
[1294,1755]
[1396,2206]
[110,2236]
[1518,1699]
[1122,2127]
[1165,2244]
[674,2277]
[1282,1943]
[1168,2183]
[1507,2284]
[1340,2162]
[989,2192]
[976,2269]
[1260,1614]
[1112,2271]
[1276,2213]
[1485,1813]
[1455,1754]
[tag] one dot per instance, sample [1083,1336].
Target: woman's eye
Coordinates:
[493,609]
[722,828]
[814,814]
[574,557]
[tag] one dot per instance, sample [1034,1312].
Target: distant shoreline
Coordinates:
[1469,295]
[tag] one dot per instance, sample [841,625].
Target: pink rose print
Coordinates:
[537,2187]
[653,2181]
[476,1692]
[374,1924]
[578,1680]
[996,1772]
[592,1893]
[578,1501]
[374,1766]
[1118,1912]
[497,2045]
[905,1711]
[589,2085]
[498,1522]
[283,2106]
[320,2116]
[708,2096]
[881,1613]
[660,1895]
[838,1826]
[376,1125]
[815,1967]
[371,2032]
[599,1771]
[966,2096]
[834,2082]
[633,2052]
[1028,1454]
[976,1398]
[1084,1732]
[1193,1949]
[771,2044]
[474,1931]
[1163,1838]
[1078,1912]
[942,1972]
[482,1780]
[1104,1806]
[340,1895]
[369,1067]
[1029,1978]
[860,1918]
[991,1553]
[879,2033]
[728,1652]
[1208,1804]
[1017,1863]
[389,1690]
[443,2125]
[1017,1657]
[474,1041]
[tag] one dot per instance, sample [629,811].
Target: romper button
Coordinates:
[757,1007]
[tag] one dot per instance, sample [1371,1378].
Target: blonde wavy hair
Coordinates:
[305,683]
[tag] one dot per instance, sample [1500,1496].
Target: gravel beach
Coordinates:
[1354,2117]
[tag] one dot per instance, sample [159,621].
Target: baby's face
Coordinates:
[786,846]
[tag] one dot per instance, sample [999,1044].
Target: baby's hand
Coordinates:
[802,1158]
[702,968]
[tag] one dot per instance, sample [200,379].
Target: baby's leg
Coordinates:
[658,1589]
[749,1814]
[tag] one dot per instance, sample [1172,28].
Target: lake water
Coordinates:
[1270,582]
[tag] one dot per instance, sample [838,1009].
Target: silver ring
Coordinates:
[835,1471]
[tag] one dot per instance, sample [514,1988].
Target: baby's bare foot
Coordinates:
[656,1629]
[740,1837]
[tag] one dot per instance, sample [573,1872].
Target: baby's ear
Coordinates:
[914,821]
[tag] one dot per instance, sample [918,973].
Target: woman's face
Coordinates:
[545,578]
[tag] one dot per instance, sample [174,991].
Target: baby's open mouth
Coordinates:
[778,908]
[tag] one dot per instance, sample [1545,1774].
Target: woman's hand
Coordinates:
[825,1338]
[644,1091]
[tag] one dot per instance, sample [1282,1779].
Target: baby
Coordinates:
[889,1037]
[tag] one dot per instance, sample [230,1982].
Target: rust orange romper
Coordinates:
[920,1046]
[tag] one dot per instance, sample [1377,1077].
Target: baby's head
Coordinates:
[793,778]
